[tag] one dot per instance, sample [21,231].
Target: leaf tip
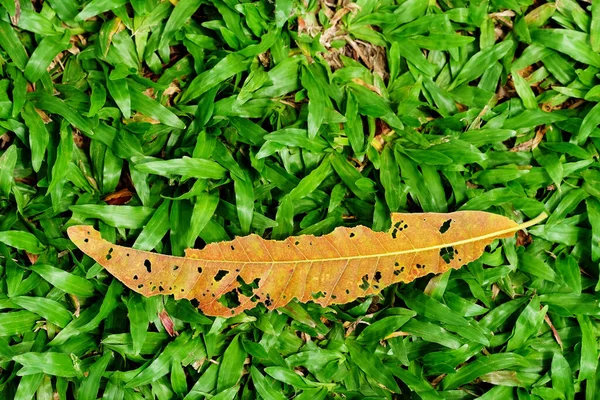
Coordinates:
[81,234]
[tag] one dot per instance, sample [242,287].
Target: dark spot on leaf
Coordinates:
[148,266]
[127,254]
[396,263]
[347,291]
[221,274]
[445,226]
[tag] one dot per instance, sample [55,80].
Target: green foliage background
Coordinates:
[174,124]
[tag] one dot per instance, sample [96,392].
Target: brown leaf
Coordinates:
[118,198]
[227,278]
[532,143]
[523,239]
[167,322]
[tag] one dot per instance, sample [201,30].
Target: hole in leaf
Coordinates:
[140,286]
[135,277]
[365,283]
[221,274]
[394,232]
[297,243]
[148,266]
[86,240]
[377,276]
[109,256]
[230,299]
[447,254]
[153,288]
[347,291]
[352,234]
[268,301]
[333,296]
[445,226]
[199,270]
[247,288]
[175,267]
[161,289]
[399,271]
[317,295]
[195,303]
[232,247]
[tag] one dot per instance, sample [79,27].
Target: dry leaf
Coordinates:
[227,278]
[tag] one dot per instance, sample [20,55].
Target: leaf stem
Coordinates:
[534,221]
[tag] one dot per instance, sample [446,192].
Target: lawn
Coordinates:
[170,125]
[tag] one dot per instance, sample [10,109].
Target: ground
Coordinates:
[170,125]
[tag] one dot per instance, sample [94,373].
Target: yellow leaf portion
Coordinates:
[227,278]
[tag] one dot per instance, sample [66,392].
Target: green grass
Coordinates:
[170,127]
